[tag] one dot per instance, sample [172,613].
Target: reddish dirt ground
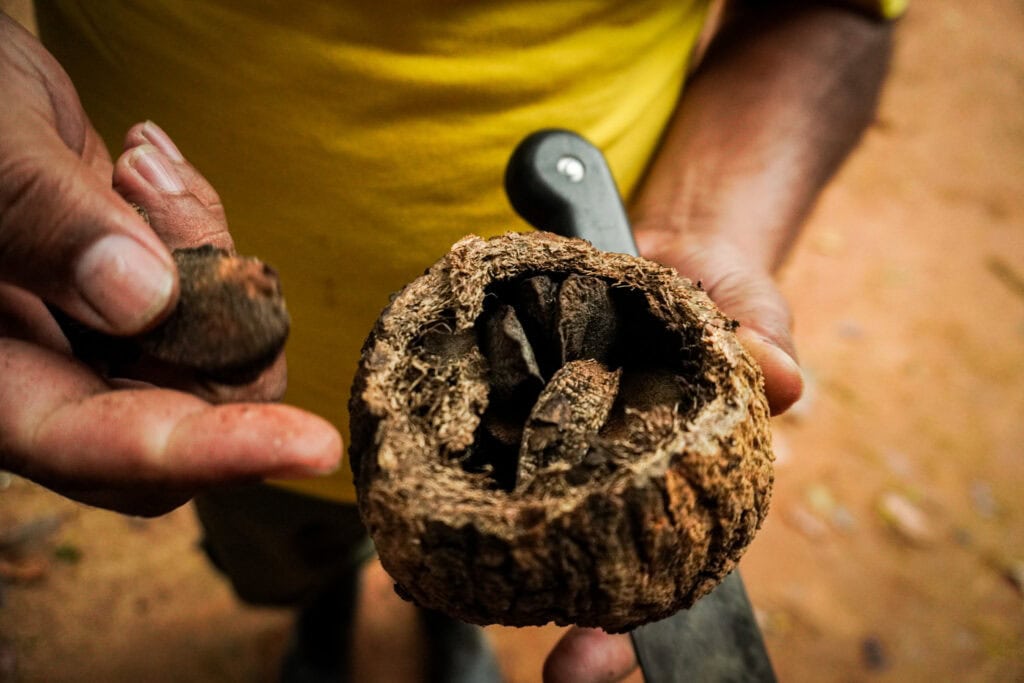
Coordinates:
[895,545]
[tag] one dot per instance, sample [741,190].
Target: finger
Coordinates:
[150,133]
[66,236]
[59,423]
[586,655]
[182,206]
[185,211]
[765,324]
[783,380]
[23,316]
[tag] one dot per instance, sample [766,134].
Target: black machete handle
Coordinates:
[559,182]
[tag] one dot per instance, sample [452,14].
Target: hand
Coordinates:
[778,102]
[68,239]
[745,291]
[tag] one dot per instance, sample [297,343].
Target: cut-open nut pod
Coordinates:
[546,432]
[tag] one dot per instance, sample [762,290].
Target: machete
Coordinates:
[559,182]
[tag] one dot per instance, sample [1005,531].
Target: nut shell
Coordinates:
[229,325]
[658,509]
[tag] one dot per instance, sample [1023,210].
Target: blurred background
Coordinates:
[894,549]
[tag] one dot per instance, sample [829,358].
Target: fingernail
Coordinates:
[779,356]
[148,161]
[769,351]
[161,140]
[784,380]
[124,282]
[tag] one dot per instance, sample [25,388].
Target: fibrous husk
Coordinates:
[229,325]
[545,432]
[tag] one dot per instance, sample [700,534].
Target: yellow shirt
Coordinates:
[353,142]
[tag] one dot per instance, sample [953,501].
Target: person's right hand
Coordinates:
[68,239]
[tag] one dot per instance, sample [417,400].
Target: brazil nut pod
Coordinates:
[542,431]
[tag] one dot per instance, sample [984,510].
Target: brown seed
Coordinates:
[230,322]
[567,416]
[536,303]
[229,325]
[513,366]
[585,319]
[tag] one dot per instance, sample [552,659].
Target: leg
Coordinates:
[281,548]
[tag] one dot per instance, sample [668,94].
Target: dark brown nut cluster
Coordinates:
[229,325]
[545,432]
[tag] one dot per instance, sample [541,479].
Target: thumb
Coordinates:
[783,380]
[66,236]
[752,298]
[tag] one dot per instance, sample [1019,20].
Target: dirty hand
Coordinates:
[67,238]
